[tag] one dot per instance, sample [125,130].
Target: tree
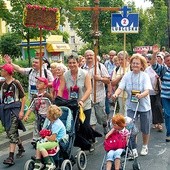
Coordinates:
[8,45]
[14,18]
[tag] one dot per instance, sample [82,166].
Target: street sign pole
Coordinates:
[124,23]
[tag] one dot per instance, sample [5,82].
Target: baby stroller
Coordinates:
[84,133]
[64,158]
[130,125]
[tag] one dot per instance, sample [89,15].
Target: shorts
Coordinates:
[13,133]
[114,154]
[145,120]
[98,114]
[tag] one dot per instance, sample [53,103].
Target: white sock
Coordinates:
[145,146]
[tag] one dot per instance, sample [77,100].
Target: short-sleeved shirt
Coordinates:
[40,104]
[12,92]
[153,77]
[141,82]
[59,129]
[118,73]
[164,73]
[100,86]
[110,67]
[32,79]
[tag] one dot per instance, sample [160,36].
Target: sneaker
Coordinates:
[50,166]
[133,154]
[144,150]
[92,148]
[96,141]
[38,166]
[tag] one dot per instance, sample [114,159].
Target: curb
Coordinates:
[4,141]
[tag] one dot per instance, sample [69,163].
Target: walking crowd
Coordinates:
[133,85]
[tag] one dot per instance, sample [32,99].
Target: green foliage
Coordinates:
[152,23]
[9,45]
[22,78]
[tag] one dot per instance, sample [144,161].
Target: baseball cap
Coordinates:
[8,67]
[42,79]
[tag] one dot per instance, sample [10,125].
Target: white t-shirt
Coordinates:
[153,77]
[141,82]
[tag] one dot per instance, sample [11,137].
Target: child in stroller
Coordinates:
[58,131]
[64,158]
[116,141]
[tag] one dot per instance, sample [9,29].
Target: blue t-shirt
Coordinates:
[57,128]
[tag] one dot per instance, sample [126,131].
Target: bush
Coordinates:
[22,78]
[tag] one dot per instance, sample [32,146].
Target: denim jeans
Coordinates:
[166,104]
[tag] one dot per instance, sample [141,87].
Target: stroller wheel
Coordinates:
[66,165]
[136,165]
[81,160]
[29,165]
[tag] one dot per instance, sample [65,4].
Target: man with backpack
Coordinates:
[32,73]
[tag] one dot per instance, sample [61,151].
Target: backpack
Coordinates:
[115,141]
[45,72]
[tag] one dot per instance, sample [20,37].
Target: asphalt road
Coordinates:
[157,159]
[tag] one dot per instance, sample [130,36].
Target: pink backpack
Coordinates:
[115,141]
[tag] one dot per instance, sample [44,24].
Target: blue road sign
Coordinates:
[125,22]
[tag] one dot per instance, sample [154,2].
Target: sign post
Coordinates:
[124,23]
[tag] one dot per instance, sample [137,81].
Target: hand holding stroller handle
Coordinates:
[114,96]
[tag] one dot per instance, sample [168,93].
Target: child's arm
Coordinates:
[27,115]
[21,113]
[52,137]
[109,133]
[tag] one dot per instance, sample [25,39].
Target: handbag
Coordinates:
[115,141]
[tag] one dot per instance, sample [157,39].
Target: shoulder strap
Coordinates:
[30,71]
[117,68]
[162,72]
[99,66]
[45,73]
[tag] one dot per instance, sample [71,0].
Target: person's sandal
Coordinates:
[9,161]
[160,128]
[20,153]
[155,126]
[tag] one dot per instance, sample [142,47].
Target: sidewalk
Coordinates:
[4,141]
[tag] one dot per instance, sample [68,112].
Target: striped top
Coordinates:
[164,73]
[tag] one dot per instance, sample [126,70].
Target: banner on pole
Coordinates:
[41,17]
[125,22]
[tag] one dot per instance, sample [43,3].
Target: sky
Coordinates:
[141,3]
